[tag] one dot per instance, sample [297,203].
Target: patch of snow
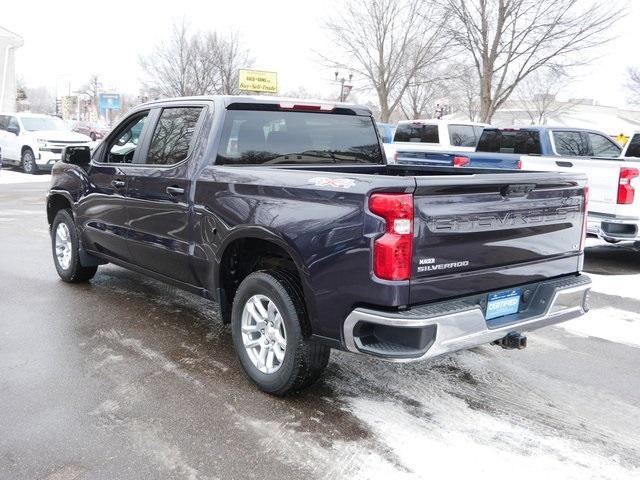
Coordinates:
[13,176]
[458,442]
[608,323]
[619,285]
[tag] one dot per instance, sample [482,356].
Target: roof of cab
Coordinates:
[441,121]
[264,99]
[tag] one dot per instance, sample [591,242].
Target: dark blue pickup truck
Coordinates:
[286,213]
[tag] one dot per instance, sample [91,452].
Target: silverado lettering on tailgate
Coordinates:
[480,222]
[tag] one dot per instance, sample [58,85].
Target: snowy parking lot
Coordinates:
[130,378]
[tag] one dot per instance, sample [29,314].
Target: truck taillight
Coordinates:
[585,218]
[519,164]
[460,161]
[626,192]
[392,252]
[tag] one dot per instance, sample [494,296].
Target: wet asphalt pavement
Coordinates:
[127,378]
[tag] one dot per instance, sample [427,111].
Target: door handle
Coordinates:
[118,183]
[175,190]
[564,164]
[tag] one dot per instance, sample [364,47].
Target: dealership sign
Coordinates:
[110,101]
[258,81]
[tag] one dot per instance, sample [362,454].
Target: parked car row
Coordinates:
[613,174]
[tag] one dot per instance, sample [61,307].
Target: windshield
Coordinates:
[275,137]
[34,124]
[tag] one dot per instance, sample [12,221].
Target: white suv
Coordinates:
[34,141]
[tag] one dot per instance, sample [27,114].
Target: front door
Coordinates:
[102,214]
[158,194]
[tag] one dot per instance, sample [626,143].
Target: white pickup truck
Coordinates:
[614,203]
[433,136]
[34,141]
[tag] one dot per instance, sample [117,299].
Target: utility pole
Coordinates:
[343,93]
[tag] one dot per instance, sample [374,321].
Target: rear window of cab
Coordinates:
[417,132]
[524,142]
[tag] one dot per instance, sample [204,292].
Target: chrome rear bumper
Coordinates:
[461,324]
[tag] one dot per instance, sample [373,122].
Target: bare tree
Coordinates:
[538,95]
[633,84]
[170,67]
[92,88]
[510,39]
[36,99]
[231,56]
[199,63]
[420,98]
[387,43]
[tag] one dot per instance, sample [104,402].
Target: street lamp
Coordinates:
[343,95]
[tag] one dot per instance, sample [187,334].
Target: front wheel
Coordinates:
[266,324]
[29,164]
[65,246]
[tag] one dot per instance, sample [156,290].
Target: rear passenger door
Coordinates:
[158,192]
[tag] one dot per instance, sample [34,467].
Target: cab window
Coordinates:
[417,132]
[603,147]
[462,136]
[173,135]
[122,147]
[634,147]
[571,144]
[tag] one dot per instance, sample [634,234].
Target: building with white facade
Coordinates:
[9,42]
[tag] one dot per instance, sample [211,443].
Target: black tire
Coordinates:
[304,360]
[92,136]
[75,272]
[28,163]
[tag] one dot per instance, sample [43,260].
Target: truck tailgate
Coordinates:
[603,177]
[475,231]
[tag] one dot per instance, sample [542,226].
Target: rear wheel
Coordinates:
[65,246]
[266,324]
[29,164]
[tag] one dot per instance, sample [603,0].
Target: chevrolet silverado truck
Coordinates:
[286,214]
[613,179]
[34,142]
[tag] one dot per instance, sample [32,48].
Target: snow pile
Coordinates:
[619,285]
[458,442]
[608,323]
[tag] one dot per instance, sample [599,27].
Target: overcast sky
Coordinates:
[66,41]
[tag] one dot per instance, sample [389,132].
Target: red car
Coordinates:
[91,129]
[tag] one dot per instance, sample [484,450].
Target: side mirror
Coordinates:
[76,155]
[15,129]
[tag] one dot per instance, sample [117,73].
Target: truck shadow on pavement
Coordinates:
[612,259]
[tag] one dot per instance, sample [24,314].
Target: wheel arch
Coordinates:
[252,250]
[25,148]
[56,201]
